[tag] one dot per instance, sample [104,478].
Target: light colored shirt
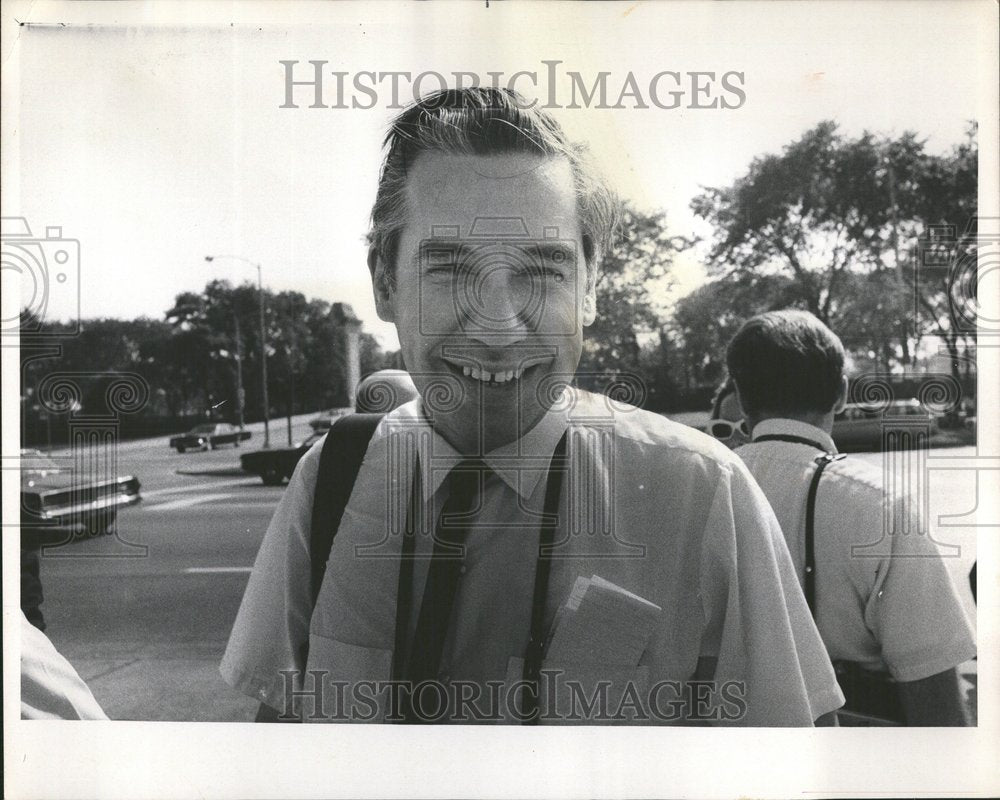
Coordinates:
[656,508]
[50,687]
[883,595]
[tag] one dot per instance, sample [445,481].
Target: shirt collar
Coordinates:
[519,464]
[794,427]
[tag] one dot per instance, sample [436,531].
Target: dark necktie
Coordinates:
[463,483]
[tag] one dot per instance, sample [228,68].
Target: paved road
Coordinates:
[144,615]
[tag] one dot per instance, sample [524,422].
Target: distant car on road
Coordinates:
[277,464]
[860,427]
[322,423]
[53,498]
[208,436]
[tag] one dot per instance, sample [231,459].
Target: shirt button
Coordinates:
[461,570]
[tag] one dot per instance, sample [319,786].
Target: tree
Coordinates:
[633,271]
[944,262]
[829,212]
[705,320]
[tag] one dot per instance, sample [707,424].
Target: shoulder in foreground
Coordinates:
[648,428]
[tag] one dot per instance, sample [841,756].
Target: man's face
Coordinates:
[491,291]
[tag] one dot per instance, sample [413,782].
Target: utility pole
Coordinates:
[240,394]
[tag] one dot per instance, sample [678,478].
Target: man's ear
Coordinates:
[590,299]
[381,287]
[739,399]
[589,309]
[841,396]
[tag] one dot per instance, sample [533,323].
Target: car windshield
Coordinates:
[203,429]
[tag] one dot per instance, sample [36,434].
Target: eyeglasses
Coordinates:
[725,429]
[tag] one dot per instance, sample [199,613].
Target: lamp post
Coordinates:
[263,340]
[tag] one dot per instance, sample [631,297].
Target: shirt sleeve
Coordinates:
[914,610]
[50,687]
[264,656]
[764,635]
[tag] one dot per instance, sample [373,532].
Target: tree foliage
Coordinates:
[633,272]
[190,358]
[840,218]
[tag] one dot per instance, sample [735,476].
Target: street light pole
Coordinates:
[240,396]
[263,361]
[263,342]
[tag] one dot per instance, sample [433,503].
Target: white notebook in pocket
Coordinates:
[601,623]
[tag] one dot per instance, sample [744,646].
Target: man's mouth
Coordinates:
[494,374]
[492,377]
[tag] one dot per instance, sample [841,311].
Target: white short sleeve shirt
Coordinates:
[656,508]
[883,596]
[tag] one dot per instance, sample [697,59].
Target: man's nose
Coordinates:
[499,304]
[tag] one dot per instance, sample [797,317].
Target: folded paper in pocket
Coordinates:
[602,623]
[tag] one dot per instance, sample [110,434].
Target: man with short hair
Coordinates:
[515,550]
[883,600]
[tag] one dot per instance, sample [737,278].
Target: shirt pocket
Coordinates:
[344,682]
[581,693]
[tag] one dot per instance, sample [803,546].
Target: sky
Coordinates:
[155,139]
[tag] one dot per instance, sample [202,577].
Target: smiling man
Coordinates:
[515,549]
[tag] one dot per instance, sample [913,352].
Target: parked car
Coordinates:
[209,436]
[322,423]
[52,498]
[277,464]
[858,427]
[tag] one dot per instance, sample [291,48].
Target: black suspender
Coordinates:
[821,462]
[786,437]
[339,465]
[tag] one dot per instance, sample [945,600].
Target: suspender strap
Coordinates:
[543,568]
[822,462]
[787,437]
[339,464]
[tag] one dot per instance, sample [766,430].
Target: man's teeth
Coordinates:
[492,377]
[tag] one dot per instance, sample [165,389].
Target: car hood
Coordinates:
[48,481]
[40,481]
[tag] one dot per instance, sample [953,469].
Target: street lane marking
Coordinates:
[206,570]
[228,499]
[197,487]
[187,502]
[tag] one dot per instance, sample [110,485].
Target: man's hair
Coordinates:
[786,362]
[482,122]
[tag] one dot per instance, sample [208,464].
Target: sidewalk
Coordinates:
[163,682]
